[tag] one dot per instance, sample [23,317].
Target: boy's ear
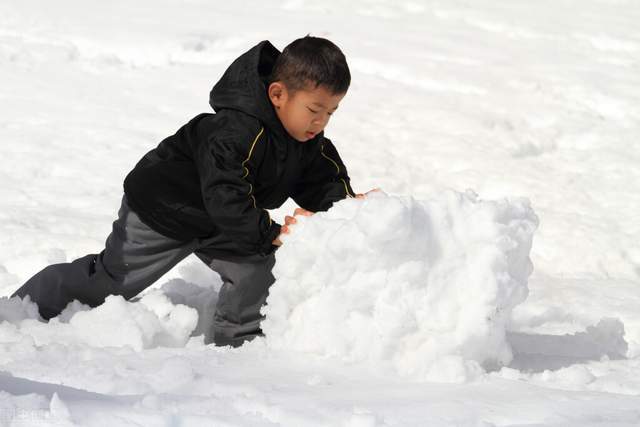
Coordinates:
[277,93]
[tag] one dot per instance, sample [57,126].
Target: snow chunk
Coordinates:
[151,322]
[59,412]
[428,285]
[13,310]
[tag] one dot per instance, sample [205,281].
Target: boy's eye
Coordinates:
[316,112]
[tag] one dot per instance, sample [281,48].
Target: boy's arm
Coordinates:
[325,180]
[226,181]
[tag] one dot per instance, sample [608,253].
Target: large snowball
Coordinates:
[427,285]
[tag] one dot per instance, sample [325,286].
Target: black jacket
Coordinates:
[219,173]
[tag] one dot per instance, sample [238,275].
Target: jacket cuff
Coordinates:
[267,247]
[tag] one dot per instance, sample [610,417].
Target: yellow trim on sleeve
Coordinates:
[251,152]
[246,173]
[329,158]
[346,188]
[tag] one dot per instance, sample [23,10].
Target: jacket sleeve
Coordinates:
[227,183]
[325,180]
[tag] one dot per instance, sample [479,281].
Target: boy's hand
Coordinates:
[362,196]
[288,220]
[303,212]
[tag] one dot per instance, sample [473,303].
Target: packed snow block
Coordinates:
[427,285]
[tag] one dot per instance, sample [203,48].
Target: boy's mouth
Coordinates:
[310,134]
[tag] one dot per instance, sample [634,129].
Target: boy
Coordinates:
[205,190]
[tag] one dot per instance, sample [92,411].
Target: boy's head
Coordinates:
[308,81]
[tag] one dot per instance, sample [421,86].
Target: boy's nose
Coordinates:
[320,121]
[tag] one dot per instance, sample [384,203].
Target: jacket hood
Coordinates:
[243,86]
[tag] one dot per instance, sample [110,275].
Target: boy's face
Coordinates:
[305,113]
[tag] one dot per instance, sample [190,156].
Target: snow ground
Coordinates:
[507,98]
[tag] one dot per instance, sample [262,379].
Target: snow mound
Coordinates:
[202,298]
[427,285]
[153,321]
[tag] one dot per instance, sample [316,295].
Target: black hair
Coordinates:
[312,61]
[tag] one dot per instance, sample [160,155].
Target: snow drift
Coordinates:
[428,285]
[154,321]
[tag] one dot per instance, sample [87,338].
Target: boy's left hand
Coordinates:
[362,196]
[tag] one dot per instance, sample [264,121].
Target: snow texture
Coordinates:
[429,285]
[152,322]
[513,99]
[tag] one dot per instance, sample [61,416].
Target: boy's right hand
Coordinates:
[288,220]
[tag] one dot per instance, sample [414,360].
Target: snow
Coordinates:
[429,285]
[413,308]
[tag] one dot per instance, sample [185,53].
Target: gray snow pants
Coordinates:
[135,257]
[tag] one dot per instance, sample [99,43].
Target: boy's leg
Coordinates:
[134,257]
[245,286]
